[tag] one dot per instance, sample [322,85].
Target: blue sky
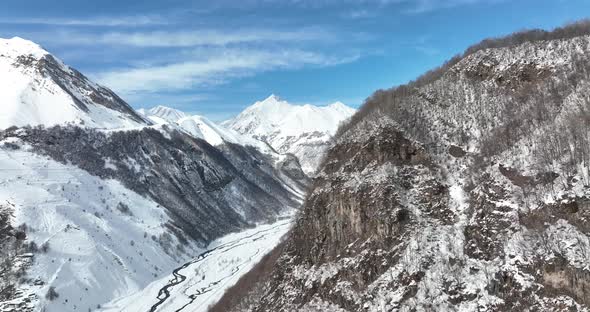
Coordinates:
[216,57]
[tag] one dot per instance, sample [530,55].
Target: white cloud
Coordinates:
[407,6]
[92,21]
[191,38]
[423,6]
[359,14]
[216,67]
[183,101]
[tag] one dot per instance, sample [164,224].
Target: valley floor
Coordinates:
[201,282]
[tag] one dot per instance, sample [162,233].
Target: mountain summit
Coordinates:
[302,130]
[38,89]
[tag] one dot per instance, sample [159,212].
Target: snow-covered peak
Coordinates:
[200,127]
[164,112]
[203,128]
[17,46]
[302,130]
[271,105]
[341,107]
[272,98]
[36,88]
[207,130]
[274,114]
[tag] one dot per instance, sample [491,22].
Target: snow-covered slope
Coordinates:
[214,134]
[164,112]
[118,207]
[302,130]
[205,129]
[38,89]
[103,240]
[199,283]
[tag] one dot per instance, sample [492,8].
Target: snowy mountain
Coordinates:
[202,127]
[97,201]
[205,129]
[38,89]
[465,190]
[303,131]
[163,112]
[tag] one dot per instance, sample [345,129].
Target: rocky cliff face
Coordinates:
[466,190]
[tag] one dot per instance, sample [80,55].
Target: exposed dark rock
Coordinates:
[457,151]
[202,187]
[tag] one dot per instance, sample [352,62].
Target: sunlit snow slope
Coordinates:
[102,237]
[203,128]
[200,282]
[302,130]
[163,112]
[38,89]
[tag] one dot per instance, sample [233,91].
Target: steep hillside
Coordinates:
[38,89]
[197,193]
[303,131]
[465,190]
[77,240]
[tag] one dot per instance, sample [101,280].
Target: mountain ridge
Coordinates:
[465,190]
[40,89]
[302,130]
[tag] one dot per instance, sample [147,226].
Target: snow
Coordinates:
[208,275]
[166,113]
[302,130]
[32,98]
[273,114]
[96,252]
[273,126]
[205,129]
[99,252]
[18,46]
[565,239]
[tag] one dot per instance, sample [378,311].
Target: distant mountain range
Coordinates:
[302,130]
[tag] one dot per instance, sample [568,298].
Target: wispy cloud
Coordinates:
[216,67]
[423,6]
[191,38]
[181,101]
[406,6]
[358,14]
[110,21]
